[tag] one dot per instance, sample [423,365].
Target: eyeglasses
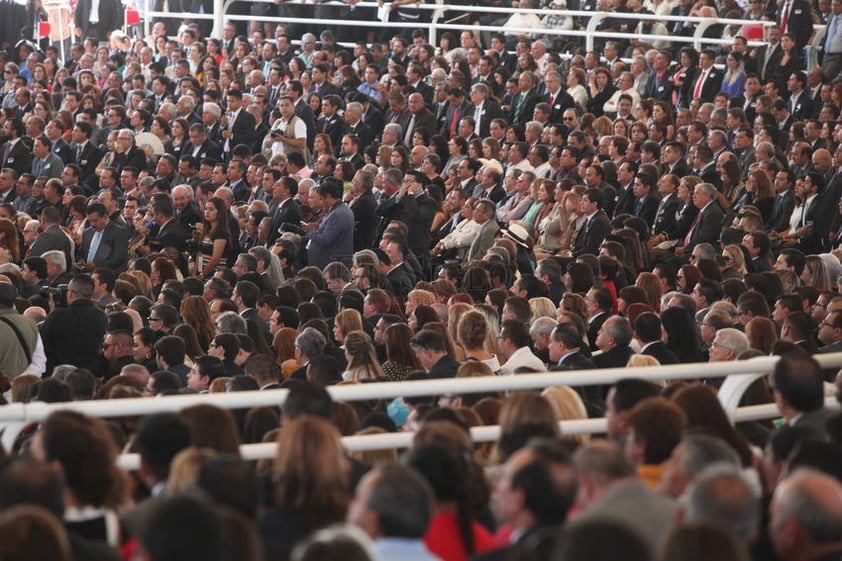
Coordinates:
[153,319]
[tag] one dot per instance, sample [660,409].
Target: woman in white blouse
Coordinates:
[575,80]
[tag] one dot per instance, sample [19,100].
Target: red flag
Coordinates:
[132,17]
[43,28]
[753,32]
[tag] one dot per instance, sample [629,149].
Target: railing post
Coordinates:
[591,29]
[698,35]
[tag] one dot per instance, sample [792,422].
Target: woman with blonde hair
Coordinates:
[734,260]
[524,415]
[311,475]
[541,307]
[472,332]
[417,298]
[575,304]
[345,322]
[815,274]
[361,357]
[454,315]
[567,406]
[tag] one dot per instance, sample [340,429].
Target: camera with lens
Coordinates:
[192,245]
[59,294]
[292,228]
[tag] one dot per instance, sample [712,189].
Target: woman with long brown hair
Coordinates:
[361,357]
[400,359]
[196,312]
[214,238]
[311,476]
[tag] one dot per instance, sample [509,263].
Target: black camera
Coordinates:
[293,229]
[59,294]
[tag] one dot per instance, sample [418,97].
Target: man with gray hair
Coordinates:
[722,497]
[541,331]
[128,154]
[393,504]
[52,237]
[728,344]
[231,322]
[485,110]
[694,454]
[613,340]
[56,268]
[708,223]
[806,517]
[392,134]
[309,344]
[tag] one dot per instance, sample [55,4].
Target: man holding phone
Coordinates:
[289,133]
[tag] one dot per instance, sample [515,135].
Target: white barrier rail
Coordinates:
[220,16]
[478,434]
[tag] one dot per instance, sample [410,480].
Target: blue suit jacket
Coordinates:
[113,251]
[334,238]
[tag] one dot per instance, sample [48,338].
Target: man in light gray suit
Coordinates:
[484,214]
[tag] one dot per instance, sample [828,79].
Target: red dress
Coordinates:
[444,540]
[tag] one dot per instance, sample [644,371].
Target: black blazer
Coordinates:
[172,234]
[666,219]
[592,234]
[594,326]
[648,209]
[445,367]
[287,213]
[527,108]
[490,111]
[242,131]
[800,21]
[661,352]
[616,357]
[208,149]
[711,85]
[708,227]
[365,220]
[20,156]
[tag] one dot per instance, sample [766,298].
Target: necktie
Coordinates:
[692,227]
[831,31]
[94,245]
[79,153]
[552,100]
[454,120]
[698,91]
[407,138]
[785,17]
[638,206]
[518,106]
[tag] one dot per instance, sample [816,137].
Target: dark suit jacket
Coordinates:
[287,213]
[365,220]
[242,131]
[666,219]
[189,217]
[616,357]
[53,238]
[781,212]
[134,157]
[400,280]
[363,131]
[172,234]
[625,200]
[659,89]
[708,227]
[711,85]
[208,149]
[648,209]
[592,234]
[63,151]
[113,251]
[426,120]
[88,160]
[760,57]
[561,102]
[800,21]
[334,127]
[661,352]
[490,111]
[20,156]
[527,108]
[464,110]
[680,168]
[594,326]
[445,367]
[803,107]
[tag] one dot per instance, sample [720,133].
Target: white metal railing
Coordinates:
[220,16]
[738,377]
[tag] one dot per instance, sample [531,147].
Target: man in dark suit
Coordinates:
[707,166]
[647,199]
[16,152]
[708,80]
[625,193]
[170,231]
[331,123]
[613,340]
[485,110]
[284,207]
[398,112]
[356,126]
[647,329]
[660,86]
[364,207]
[557,97]
[596,227]
[457,108]
[241,125]
[431,350]
[419,118]
[800,105]
[673,158]
[796,18]
[128,153]
[708,223]
[784,202]
[565,354]
[666,221]
[200,146]
[186,211]
[104,244]
[85,153]
[769,54]
[599,301]
[524,102]
[321,81]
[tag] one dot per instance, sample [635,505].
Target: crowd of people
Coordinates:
[273,210]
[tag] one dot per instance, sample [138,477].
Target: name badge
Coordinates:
[10,160]
[83,162]
[660,89]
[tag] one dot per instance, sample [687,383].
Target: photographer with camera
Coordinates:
[83,320]
[289,133]
[18,335]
